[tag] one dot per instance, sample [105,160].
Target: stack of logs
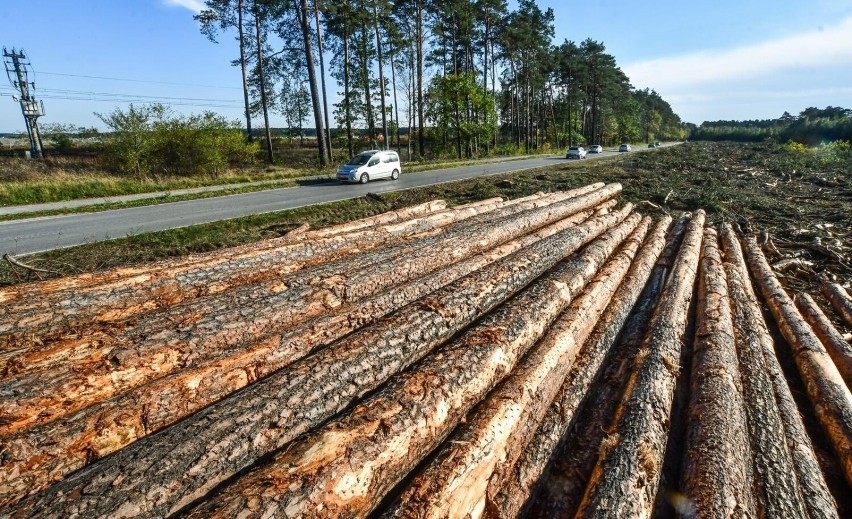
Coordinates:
[548,356]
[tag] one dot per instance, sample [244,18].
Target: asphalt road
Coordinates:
[20,237]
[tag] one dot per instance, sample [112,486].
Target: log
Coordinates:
[165,472]
[826,390]
[455,482]
[817,499]
[40,318]
[182,336]
[776,490]
[840,300]
[30,290]
[625,480]
[345,468]
[555,467]
[838,349]
[78,439]
[717,475]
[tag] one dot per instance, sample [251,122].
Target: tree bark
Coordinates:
[156,347]
[166,472]
[817,499]
[561,490]
[303,13]
[625,480]
[840,300]
[322,78]
[776,490]
[717,475]
[486,445]
[380,441]
[261,76]
[242,41]
[81,438]
[838,349]
[46,330]
[827,392]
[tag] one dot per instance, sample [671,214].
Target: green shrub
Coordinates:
[151,140]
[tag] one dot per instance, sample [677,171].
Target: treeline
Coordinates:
[812,126]
[468,77]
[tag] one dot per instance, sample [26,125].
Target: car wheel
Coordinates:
[395,174]
[364,178]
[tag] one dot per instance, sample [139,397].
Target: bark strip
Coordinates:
[625,480]
[345,468]
[167,471]
[717,475]
[545,469]
[487,444]
[837,347]
[81,438]
[182,336]
[840,300]
[826,390]
[817,499]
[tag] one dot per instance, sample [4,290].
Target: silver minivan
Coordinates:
[370,165]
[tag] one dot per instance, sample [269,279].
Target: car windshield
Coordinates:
[573,148]
[358,160]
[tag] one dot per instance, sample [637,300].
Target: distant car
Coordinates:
[652,145]
[657,144]
[596,148]
[370,165]
[576,152]
[625,147]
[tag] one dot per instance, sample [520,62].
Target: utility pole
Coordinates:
[18,72]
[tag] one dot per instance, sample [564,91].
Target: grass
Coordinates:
[760,187]
[64,178]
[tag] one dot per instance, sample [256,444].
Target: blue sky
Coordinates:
[711,60]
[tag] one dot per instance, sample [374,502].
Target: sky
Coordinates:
[710,60]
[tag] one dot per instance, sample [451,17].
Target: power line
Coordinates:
[135,96]
[127,100]
[138,80]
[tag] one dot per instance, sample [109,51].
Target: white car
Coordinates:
[596,148]
[625,147]
[576,152]
[370,165]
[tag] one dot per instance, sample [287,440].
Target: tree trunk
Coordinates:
[395,102]
[381,76]
[242,40]
[311,483]
[156,347]
[150,476]
[80,438]
[827,392]
[776,491]
[751,329]
[421,137]
[717,475]
[302,11]
[561,499]
[840,300]
[838,349]
[487,444]
[624,484]
[327,135]
[261,76]
[346,91]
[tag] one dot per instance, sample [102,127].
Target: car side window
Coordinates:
[388,158]
[373,162]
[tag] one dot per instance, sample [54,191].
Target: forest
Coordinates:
[459,78]
[813,126]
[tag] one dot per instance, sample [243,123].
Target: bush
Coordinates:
[151,140]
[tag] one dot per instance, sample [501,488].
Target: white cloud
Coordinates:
[831,46]
[193,5]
